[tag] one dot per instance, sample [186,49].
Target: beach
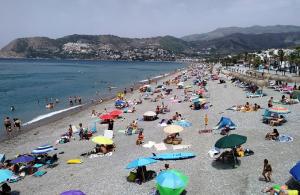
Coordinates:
[107,174]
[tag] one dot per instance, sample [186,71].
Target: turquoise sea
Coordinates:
[28,85]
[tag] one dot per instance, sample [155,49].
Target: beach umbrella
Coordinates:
[200,91]
[171,182]
[106,117]
[183,123]
[23,159]
[295,172]
[116,112]
[173,129]
[149,113]
[140,162]
[279,110]
[119,102]
[73,192]
[43,149]
[230,141]
[5,175]
[102,140]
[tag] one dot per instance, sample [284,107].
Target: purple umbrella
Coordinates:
[23,159]
[73,192]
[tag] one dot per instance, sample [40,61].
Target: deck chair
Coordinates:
[108,134]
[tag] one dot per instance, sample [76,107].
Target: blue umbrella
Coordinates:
[295,172]
[43,149]
[140,162]
[183,123]
[23,159]
[5,175]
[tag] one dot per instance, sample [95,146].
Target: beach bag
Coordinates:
[131,177]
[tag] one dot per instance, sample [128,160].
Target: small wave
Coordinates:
[49,115]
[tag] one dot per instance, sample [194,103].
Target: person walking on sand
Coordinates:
[110,124]
[267,171]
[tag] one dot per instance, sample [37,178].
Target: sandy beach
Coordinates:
[107,175]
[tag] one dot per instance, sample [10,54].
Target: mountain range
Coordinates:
[220,41]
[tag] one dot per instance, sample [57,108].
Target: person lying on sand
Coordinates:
[274,135]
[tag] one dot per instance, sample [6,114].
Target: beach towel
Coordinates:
[108,134]
[205,131]
[37,165]
[160,146]
[39,173]
[285,138]
[150,144]
[214,151]
[179,147]
[14,179]
[99,155]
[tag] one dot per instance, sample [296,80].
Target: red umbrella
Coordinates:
[106,117]
[116,112]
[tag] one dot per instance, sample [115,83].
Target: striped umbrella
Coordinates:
[279,110]
[43,149]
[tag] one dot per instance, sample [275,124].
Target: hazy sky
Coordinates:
[138,18]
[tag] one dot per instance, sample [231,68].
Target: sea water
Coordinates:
[28,85]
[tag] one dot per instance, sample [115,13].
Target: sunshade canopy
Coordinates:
[171,182]
[102,140]
[231,141]
[140,162]
[173,129]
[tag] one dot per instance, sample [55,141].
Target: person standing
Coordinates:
[267,171]
[79,100]
[125,91]
[7,125]
[205,121]
[70,132]
[110,124]
[81,131]
[17,123]
[270,102]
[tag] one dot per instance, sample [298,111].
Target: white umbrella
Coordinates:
[149,113]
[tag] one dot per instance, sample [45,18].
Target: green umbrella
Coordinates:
[231,141]
[171,182]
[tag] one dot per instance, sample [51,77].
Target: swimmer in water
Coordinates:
[12,108]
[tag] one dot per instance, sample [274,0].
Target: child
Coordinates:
[205,121]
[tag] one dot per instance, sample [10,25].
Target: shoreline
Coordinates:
[69,111]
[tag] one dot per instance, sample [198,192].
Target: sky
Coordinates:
[138,18]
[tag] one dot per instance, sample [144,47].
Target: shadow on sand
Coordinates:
[225,164]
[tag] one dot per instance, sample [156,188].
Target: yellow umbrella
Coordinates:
[102,140]
[173,129]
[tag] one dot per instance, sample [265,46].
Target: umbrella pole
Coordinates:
[234,159]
